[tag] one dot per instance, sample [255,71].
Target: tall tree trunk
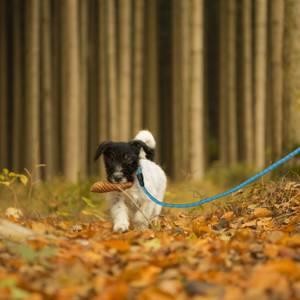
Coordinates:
[247,83]
[231,84]
[186,77]
[47,96]
[112,71]
[138,71]
[32,87]
[277,26]
[125,75]
[103,79]
[177,89]
[71,89]
[83,34]
[17,88]
[223,109]
[197,149]
[3,87]
[260,81]
[151,102]
[292,72]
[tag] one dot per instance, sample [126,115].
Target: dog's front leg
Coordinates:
[119,213]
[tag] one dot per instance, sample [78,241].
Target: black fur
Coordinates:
[124,156]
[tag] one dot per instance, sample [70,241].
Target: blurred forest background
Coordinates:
[214,80]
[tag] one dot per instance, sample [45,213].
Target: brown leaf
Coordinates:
[261,212]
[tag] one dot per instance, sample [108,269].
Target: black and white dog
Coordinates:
[121,162]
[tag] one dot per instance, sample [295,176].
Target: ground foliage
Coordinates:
[248,248]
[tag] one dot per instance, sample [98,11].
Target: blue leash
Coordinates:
[267,170]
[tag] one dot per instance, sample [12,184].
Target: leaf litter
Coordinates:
[247,249]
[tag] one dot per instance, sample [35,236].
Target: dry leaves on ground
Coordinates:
[250,250]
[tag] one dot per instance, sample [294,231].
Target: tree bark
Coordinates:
[292,73]
[248,123]
[125,74]
[186,78]
[3,87]
[47,96]
[231,84]
[17,88]
[197,149]
[177,89]
[277,26]
[151,102]
[138,71]
[223,109]
[32,88]
[260,81]
[71,90]
[83,34]
[112,71]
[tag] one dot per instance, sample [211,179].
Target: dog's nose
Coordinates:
[117,177]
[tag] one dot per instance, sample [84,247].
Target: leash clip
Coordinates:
[140,176]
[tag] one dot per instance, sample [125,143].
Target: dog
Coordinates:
[122,160]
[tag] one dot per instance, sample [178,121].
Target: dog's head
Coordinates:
[122,159]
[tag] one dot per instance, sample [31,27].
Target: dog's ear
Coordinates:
[101,149]
[141,148]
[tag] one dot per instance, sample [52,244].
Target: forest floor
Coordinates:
[244,247]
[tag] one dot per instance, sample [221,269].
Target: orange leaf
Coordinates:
[119,245]
[261,212]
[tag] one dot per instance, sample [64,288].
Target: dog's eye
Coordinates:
[128,158]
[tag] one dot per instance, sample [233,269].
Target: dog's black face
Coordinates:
[122,159]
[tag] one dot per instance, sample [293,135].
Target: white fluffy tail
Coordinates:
[146,137]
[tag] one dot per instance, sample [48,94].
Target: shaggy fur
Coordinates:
[121,162]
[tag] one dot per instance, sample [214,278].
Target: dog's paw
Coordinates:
[121,227]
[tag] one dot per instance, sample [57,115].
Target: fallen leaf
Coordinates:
[261,212]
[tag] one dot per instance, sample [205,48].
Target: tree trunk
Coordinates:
[185,101]
[112,71]
[71,90]
[223,109]
[3,87]
[32,88]
[231,84]
[103,79]
[47,96]
[125,75]
[17,88]
[177,89]
[138,71]
[260,81]
[151,102]
[277,26]
[247,83]
[197,149]
[292,73]
[83,86]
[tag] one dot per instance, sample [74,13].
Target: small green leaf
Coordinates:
[63,213]
[23,179]
[88,202]
[5,171]
[12,174]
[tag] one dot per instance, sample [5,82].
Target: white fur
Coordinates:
[146,137]
[143,209]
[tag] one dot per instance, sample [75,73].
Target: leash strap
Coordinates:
[265,171]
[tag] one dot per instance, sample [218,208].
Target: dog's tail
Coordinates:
[146,137]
